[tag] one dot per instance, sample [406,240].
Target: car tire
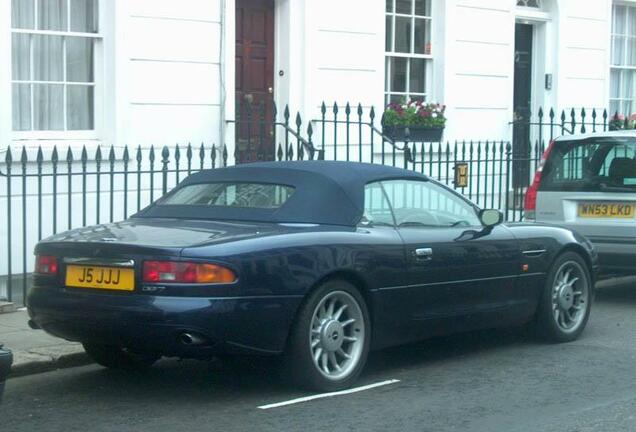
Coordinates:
[321,326]
[114,357]
[566,301]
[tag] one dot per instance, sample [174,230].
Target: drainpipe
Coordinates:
[222,47]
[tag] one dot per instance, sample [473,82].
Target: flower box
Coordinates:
[414,134]
[414,121]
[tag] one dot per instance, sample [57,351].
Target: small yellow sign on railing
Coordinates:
[461,174]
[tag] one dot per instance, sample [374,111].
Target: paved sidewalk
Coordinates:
[35,351]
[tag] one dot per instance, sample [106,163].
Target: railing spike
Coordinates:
[286,113]
[8,158]
[126,154]
[111,154]
[299,120]
[84,156]
[151,155]
[372,114]
[335,108]
[69,154]
[54,155]
[359,109]
[323,108]
[347,109]
[40,156]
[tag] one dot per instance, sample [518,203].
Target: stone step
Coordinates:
[6,307]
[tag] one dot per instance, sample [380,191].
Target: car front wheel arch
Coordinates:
[583,253]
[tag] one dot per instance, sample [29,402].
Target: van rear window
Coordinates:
[591,165]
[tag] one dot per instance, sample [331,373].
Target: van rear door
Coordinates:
[589,185]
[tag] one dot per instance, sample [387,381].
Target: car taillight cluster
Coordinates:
[46,265]
[186,272]
[530,200]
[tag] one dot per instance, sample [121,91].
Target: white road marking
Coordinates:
[331,394]
[20,309]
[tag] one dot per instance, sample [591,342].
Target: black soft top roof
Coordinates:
[325,192]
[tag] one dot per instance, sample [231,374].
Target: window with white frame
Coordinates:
[53,64]
[408,63]
[623,59]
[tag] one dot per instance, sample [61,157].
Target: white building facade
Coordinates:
[143,72]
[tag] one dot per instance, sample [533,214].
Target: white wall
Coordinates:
[175,71]
[584,53]
[345,54]
[479,68]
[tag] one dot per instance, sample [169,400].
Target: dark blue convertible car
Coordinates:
[318,262]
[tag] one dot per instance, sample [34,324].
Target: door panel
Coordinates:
[522,104]
[254,79]
[461,275]
[470,273]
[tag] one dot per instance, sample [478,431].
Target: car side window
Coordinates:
[377,210]
[426,204]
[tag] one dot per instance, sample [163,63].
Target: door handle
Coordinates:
[249,98]
[423,254]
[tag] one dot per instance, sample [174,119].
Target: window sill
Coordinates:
[54,135]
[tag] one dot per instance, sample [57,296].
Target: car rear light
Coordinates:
[186,272]
[46,265]
[530,200]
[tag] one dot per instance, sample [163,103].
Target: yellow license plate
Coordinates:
[607,210]
[108,278]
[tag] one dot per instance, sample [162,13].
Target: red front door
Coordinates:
[254,79]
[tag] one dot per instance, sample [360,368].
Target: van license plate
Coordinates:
[607,210]
[108,278]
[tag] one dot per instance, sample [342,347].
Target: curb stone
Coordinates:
[43,364]
[7,307]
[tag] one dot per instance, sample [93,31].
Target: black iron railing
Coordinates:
[46,190]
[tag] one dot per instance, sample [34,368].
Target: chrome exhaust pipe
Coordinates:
[191,339]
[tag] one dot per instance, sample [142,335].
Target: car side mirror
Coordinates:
[490,217]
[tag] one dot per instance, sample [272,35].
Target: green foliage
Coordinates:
[415,113]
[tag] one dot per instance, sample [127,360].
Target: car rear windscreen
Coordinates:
[221,194]
[601,164]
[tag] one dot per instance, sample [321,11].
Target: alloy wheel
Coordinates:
[570,295]
[337,335]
